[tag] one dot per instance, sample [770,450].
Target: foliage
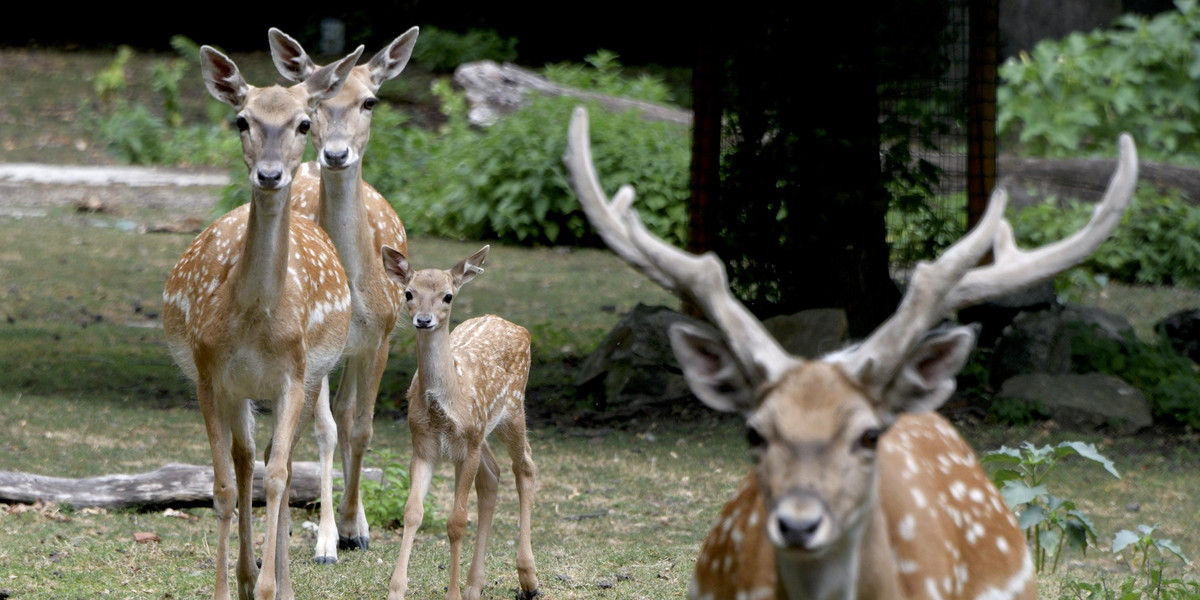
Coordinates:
[507,182]
[1050,522]
[110,81]
[442,51]
[1169,379]
[1154,244]
[605,74]
[1148,580]
[1141,76]
[917,230]
[384,500]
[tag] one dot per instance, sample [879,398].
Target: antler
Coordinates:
[700,277]
[954,282]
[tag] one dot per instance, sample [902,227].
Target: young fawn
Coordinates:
[469,383]
[258,307]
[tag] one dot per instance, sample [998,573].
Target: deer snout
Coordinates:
[269,176]
[424,321]
[800,521]
[336,156]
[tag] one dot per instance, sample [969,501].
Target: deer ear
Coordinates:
[222,78]
[396,265]
[289,56]
[926,377]
[390,61]
[327,81]
[469,267]
[710,369]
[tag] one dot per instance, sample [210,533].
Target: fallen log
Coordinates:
[1030,180]
[494,90]
[173,485]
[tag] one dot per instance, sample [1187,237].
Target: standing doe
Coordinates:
[859,489]
[468,384]
[258,308]
[359,221]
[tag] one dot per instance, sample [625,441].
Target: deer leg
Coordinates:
[486,483]
[241,422]
[325,429]
[352,520]
[420,476]
[360,424]
[224,490]
[288,410]
[456,526]
[525,472]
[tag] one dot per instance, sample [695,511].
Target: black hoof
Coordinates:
[325,560]
[354,543]
[524,595]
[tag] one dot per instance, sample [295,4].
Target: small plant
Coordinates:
[110,81]
[1050,523]
[1147,556]
[384,500]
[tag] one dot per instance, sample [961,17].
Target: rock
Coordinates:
[1083,402]
[810,333]
[1182,330]
[1042,341]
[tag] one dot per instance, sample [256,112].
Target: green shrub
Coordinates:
[1148,581]
[442,51]
[605,75]
[1140,76]
[384,500]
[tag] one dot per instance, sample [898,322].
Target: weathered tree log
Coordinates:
[494,90]
[1029,180]
[173,485]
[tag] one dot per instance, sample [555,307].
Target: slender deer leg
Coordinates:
[225,495]
[366,373]
[420,473]
[486,483]
[325,429]
[287,414]
[345,407]
[241,426]
[456,525]
[525,473]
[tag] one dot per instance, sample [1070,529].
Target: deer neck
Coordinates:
[343,216]
[858,566]
[263,266]
[435,365]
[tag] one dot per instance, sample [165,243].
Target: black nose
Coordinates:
[270,178]
[337,158]
[424,322]
[798,531]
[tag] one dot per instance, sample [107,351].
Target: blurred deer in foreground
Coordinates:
[469,383]
[258,308]
[859,489]
[358,219]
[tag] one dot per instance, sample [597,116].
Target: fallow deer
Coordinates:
[859,489]
[358,219]
[258,307]
[469,383]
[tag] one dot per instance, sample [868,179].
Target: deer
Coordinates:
[859,489]
[359,220]
[469,383]
[258,307]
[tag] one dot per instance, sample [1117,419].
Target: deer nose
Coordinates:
[798,531]
[336,158]
[269,178]
[423,321]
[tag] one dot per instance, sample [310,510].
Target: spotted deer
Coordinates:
[469,383]
[859,489]
[258,307]
[358,219]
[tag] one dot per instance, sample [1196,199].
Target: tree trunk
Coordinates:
[173,485]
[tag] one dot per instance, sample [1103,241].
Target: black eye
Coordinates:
[870,438]
[447,298]
[242,124]
[408,296]
[305,125]
[755,438]
[369,103]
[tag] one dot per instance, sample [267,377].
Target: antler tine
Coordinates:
[1014,268]
[699,277]
[954,281]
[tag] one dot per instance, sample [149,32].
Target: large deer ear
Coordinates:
[926,377]
[469,267]
[710,369]
[396,265]
[327,81]
[222,78]
[390,61]
[289,57]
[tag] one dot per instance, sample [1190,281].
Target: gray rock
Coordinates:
[810,333]
[1082,402]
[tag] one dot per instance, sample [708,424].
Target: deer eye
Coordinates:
[370,103]
[305,125]
[242,124]
[869,440]
[408,296]
[448,298]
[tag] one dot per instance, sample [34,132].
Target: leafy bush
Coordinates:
[1140,76]
[1148,581]
[441,50]
[605,74]
[1154,244]
[384,500]
[1050,522]
[508,182]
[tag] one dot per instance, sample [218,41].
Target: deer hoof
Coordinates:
[353,543]
[524,595]
[325,560]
